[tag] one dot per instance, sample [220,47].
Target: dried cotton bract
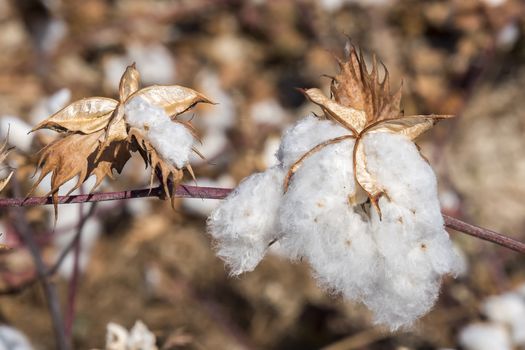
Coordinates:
[101,132]
[352,195]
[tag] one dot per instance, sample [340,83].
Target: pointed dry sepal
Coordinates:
[4,151]
[173,98]
[129,83]
[87,116]
[350,118]
[165,171]
[363,104]
[409,126]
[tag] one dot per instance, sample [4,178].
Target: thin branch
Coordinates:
[15,289]
[483,233]
[184,191]
[27,234]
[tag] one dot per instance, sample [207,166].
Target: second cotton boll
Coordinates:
[393,264]
[173,141]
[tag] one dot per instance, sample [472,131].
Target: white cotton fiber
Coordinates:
[411,227]
[173,141]
[485,336]
[304,135]
[507,309]
[12,339]
[138,338]
[244,224]
[393,264]
[320,225]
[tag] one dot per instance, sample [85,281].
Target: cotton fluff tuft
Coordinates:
[244,224]
[173,141]
[393,265]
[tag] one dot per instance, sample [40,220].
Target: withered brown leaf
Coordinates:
[86,116]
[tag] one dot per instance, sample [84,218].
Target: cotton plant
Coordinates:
[352,195]
[100,133]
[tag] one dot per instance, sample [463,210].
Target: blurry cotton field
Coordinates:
[329,233]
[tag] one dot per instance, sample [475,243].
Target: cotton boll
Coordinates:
[304,135]
[319,224]
[244,223]
[13,339]
[18,131]
[508,309]
[173,141]
[485,336]
[116,337]
[140,337]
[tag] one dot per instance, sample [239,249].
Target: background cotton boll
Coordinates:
[268,112]
[203,207]
[485,336]
[508,309]
[223,115]
[304,135]
[269,154]
[18,130]
[244,223]
[90,233]
[50,105]
[154,61]
[12,339]
[214,142]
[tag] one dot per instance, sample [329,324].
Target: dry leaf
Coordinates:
[363,104]
[86,116]
[173,98]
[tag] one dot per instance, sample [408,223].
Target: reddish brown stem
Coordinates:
[184,191]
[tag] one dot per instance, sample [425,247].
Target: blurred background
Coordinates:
[140,260]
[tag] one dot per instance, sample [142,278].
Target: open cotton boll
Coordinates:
[244,223]
[485,336]
[508,309]
[12,339]
[173,141]
[304,135]
[319,225]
